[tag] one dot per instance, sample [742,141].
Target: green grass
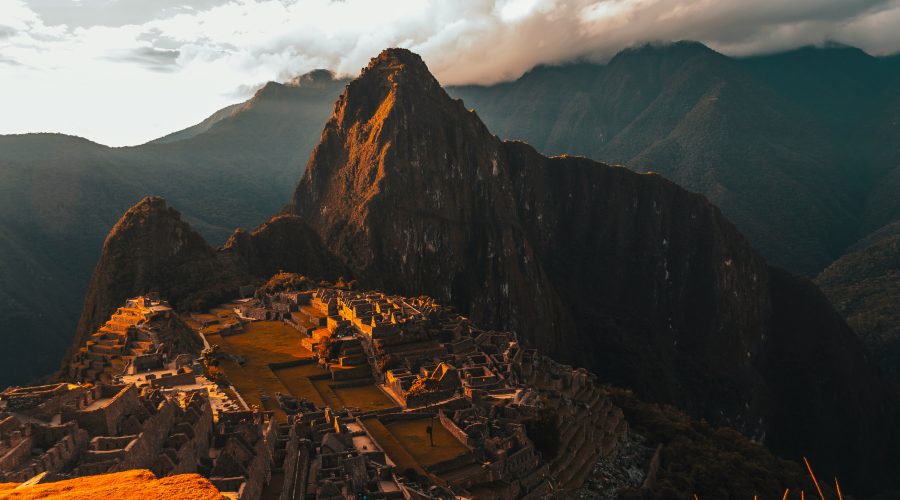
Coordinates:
[261,343]
[411,434]
[296,379]
[365,397]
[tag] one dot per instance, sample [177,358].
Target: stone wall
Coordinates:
[454,429]
[61,444]
[143,452]
[259,472]
[9,423]
[185,378]
[104,421]
[42,400]
[296,465]
[427,398]
[16,456]
[588,423]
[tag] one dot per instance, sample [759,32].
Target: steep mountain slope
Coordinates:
[205,125]
[883,204]
[790,146]
[864,286]
[644,283]
[799,149]
[814,363]
[59,196]
[284,243]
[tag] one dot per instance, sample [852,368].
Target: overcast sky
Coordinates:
[122,72]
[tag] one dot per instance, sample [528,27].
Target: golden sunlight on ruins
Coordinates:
[308,390]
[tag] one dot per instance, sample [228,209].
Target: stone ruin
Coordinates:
[481,386]
[524,425]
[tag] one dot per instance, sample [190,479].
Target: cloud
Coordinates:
[9,60]
[172,62]
[86,13]
[152,58]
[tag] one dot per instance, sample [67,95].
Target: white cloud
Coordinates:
[126,71]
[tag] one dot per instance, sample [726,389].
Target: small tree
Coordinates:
[210,356]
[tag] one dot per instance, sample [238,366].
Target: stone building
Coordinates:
[77,431]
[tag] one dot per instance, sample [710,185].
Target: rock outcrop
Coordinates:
[284,243]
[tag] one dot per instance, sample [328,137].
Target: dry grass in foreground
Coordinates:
[129,484]
[801,493]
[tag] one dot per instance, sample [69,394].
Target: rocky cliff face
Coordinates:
[644,283]
[592,263]
[796,148]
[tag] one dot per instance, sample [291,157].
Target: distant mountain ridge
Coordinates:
[59,195]
[793,147]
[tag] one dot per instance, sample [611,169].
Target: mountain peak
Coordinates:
[395,103]
[391,57]
[395,95]
[150,202]
[657,54]
[395,76]
[395,67]
[147,211]
[315,78]
[403,69]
